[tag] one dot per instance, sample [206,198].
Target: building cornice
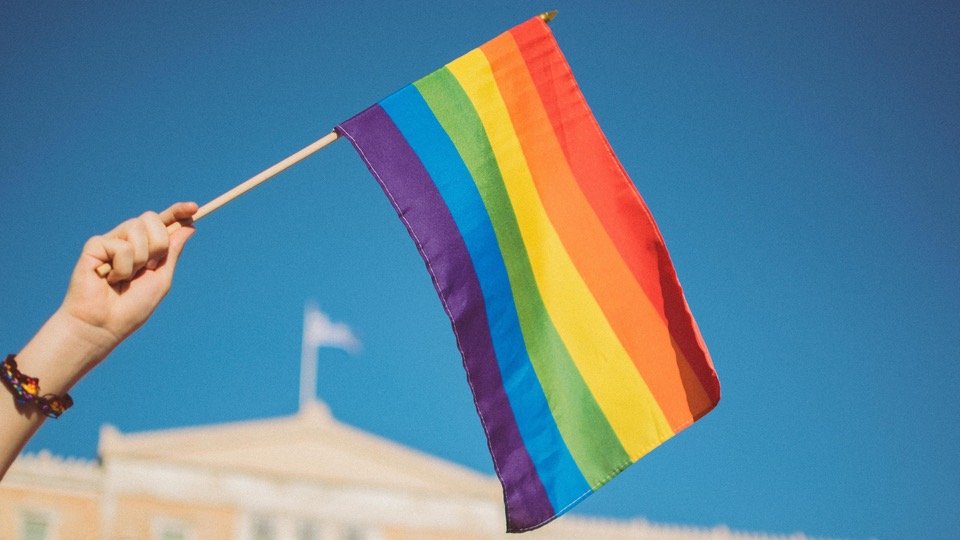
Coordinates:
[43,470]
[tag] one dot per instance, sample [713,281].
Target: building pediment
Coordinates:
[311,445]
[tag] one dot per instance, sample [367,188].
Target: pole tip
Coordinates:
[548,16]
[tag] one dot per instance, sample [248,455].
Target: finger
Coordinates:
[158,238]
[178,212]
[120,256]
[177,241]
[120,231]
[94,248]
[136,234]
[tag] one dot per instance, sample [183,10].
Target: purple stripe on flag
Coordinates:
[421,208]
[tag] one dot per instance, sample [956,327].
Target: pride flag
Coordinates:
[578,344]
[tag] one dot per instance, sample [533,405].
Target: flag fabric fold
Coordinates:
[579,347]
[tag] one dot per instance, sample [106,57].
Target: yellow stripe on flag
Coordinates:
[597,352]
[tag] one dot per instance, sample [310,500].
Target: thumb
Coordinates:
[178,239]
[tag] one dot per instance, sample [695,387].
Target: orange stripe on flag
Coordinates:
[599,175]
[627,308]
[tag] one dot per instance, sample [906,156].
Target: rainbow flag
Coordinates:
[578,344]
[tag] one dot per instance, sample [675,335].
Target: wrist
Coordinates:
[91,342]
[63,350]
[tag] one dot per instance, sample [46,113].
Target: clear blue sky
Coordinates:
[802,160]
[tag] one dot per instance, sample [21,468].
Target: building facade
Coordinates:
[302,477]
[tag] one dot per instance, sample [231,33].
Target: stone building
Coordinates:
[303,477]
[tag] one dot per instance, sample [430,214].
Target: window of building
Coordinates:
[263,528]
[353,532]
[164,528]
[308,530]
[173,534]
[36,525]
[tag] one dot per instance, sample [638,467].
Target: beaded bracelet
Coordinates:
[27,390]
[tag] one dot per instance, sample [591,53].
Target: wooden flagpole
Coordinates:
[247,185]
[269,173]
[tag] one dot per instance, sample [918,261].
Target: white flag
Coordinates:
[320,331]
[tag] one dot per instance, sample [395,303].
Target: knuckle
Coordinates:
[122,230]
[151,219]
[93,241]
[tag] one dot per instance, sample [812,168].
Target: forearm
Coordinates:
[97,313]
[60,353]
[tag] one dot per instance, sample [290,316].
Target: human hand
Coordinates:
[98,313]
[143,253]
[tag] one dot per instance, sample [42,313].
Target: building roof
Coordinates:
[283,466]
[308,446]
